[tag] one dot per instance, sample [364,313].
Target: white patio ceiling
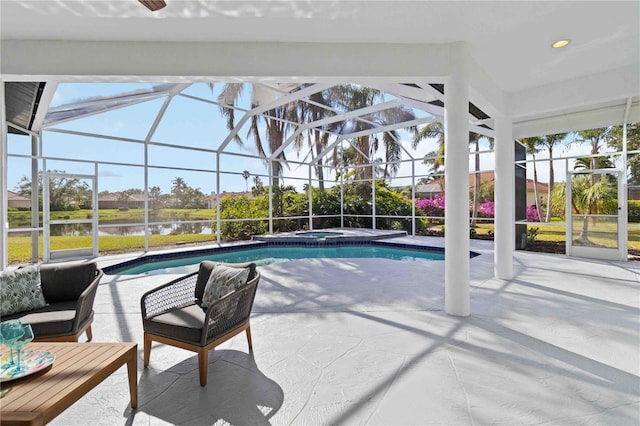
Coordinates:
[592,82]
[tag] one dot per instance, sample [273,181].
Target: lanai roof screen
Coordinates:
[302,123]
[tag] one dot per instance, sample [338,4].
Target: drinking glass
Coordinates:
[26,337]
[11,331]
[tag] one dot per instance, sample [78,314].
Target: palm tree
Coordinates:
[277,121]
[597,138]
[434,158]
[587,197]
[586,163]
[531,144]
[318,141]
[633,144]
[549,142]
[154,196]
[475,138]
[246,175]
[179,188]
[352,97]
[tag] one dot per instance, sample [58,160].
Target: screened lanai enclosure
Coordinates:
[228,160]
[133,166]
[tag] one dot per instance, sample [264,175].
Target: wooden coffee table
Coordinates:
[78,368]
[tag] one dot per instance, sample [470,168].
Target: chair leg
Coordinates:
[203,364]
[248,331]
[89,334]
[147,350]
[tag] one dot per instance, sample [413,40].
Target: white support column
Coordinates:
[218,208]
[342,196]
[310,195]
[413,198]
[4,207]
[373,195]
[146,194]
[456,213]
[35,216]
[270,166]
[504,198]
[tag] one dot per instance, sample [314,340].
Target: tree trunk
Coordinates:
[551,183]
[476,187]
[319,169]
[584,233]
[535,185]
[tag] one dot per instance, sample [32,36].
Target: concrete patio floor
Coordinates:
[366,341]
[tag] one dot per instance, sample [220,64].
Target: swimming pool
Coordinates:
[265,255]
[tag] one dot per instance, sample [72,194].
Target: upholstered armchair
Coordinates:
[56,299]
[201,310]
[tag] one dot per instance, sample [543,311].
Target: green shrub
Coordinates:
[243,208]
[634,210]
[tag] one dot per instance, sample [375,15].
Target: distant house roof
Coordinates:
[16,197]
[429,188]
[542,186]
[115,196]
[436,184]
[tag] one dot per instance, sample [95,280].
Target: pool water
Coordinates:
[268,255]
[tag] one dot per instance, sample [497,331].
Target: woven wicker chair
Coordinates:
[172,314]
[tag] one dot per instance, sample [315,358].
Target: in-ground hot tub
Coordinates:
[319,234]
[328,236]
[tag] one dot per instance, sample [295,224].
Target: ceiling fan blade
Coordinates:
[153,5]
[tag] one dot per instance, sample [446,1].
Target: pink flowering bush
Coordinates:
[532,213]
[435,207]
[486,209]
[432,206]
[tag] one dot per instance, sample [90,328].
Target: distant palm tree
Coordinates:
[154,196]
[246,175]
[179,190]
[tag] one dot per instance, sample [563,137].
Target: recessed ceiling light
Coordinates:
[560,43]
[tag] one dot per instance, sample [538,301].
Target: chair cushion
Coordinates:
[66,282]
[205,272]
[223,280]
[184,324]
[20,291]
[51,320]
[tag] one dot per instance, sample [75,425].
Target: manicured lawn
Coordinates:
[20,247]
[555,231]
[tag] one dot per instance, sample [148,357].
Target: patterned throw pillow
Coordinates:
[20,291]
[222,281]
